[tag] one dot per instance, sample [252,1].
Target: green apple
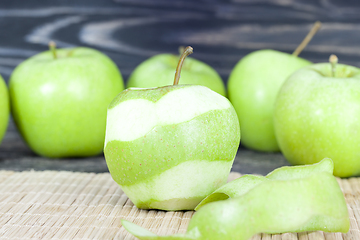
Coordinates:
[252,87]
[317,115]
[59,100]
[158,71]
[170,147]
[4,108]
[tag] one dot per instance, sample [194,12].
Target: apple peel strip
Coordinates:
[242,185]
[289,199]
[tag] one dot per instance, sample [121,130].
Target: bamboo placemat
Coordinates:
[68,205]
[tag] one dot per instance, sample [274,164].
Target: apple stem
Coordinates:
[333,59]
[308,38]
[188,50]
[52,47]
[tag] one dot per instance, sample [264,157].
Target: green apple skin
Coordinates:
[4,108]
[317,116]
[252,87]
[158,71]
[59,105]
[170,147]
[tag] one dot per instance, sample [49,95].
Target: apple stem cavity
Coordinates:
[333,59]
[52,47]
[307,39]
[188,50]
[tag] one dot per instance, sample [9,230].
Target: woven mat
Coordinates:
[67,205]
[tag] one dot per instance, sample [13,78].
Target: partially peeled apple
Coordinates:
[170,147]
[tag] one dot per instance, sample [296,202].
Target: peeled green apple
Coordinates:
[317,115]
[252,87]
[59,100]
[4,108]
[158,71]
[170,147]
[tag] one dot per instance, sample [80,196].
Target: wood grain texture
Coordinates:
[130,31]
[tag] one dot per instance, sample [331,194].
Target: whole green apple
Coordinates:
[252,87]
[169,147]
[4,108]
[317,115]
[158,71]
[59,100]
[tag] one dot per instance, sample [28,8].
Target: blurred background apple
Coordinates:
[4,108]
[158,71]
[253,85]
[317,115]
[59,100]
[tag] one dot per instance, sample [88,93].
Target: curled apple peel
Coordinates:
[299,199]
[245,183]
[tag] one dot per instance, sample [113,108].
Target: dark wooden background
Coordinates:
[130,31]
